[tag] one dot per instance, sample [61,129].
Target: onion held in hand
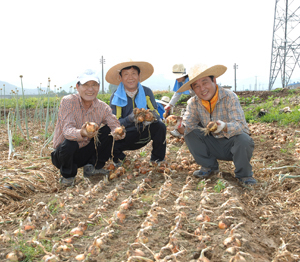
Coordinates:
[212,126]
[91,127]
[120,131]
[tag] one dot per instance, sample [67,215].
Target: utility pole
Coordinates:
[235,67]
[255,83]
[102,61]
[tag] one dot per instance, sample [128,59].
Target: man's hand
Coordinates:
[131,117]
[221,126]
[84,133]
[119,133]
[156,116]
[167,110]
[174,122]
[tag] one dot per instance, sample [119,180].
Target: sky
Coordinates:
[60,39]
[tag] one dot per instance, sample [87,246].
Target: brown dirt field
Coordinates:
[153,213]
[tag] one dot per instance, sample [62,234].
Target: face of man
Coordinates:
[205,88]
[181,79]
[88,92]
[130,78]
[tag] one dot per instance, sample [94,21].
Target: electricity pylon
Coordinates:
[286,41]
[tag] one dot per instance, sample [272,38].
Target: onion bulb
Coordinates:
[91,127]
[120,130]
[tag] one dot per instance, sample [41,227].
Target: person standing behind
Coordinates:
[74,146]
[181,77]
[129,95]
[214,106]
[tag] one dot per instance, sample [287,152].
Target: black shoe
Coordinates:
[247,180]
[90,170]
[205,172]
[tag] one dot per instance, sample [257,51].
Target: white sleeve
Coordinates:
[174,99]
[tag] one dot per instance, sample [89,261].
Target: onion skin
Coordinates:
[91,127]
[212,126]
[119,131]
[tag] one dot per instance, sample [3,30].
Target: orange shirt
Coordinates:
[210,105]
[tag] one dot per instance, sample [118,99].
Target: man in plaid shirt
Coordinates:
[214,105]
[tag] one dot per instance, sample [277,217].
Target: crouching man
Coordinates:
[230,141]
[75,147]
[129,95]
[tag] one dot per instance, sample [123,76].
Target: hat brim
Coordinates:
[215,71]
[162,102]
[179,75]
[86,79]
[112,75]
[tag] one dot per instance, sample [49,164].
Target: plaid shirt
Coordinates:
[72,115]
[227,109]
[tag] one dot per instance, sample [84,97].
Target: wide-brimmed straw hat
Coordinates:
[146,70]
[199,71]
[179,71]
[164,100]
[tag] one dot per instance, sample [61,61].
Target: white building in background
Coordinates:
[294,85]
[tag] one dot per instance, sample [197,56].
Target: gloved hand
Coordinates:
[131,117]
[157,116]
[177,125]
[167,107]
[221,126]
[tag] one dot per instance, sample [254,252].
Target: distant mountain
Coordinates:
[8,87]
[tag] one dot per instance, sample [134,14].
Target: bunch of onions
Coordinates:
[211,127]
[171,120]
[142,114]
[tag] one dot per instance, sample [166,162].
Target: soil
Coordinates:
[150,212]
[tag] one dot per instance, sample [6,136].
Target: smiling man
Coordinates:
[74,146]
[231,140]
[131,94]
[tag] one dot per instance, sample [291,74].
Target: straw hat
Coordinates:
[200,71]
[112,76]
[164,100]
[179,71]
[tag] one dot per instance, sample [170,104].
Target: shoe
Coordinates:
[90,170]
[156,162]
[205,172]
[67,181]
[247,180]
[176,133]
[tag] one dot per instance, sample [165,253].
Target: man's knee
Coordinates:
[243,142]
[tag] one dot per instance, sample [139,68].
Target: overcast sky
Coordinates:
[59,39]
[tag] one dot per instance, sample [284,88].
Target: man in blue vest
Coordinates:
[131,94]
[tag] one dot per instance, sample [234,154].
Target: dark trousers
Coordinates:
[136,139]
[68,157]
[207,149]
